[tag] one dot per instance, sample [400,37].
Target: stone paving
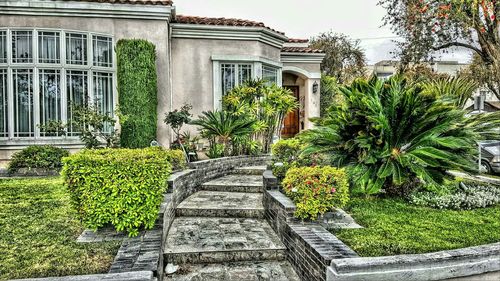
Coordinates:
[220,234]
[222,204]
[246,271]
[235,183]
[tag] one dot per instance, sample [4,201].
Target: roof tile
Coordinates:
[139,2]
[221,21]
[301,50]
[295,40]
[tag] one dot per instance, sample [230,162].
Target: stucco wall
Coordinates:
[155,31]
[192,68]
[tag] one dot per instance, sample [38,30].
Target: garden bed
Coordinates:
[394,227]
[38,231]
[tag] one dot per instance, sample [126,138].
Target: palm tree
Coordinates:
[395,134]
[222,127]
[458,89]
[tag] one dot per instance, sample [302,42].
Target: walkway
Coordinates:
[220,233]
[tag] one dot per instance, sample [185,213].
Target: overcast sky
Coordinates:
[360,19]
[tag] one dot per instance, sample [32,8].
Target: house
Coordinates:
[69,45]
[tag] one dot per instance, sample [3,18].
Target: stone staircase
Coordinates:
[220,233]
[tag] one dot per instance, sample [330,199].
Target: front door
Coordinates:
[292,120]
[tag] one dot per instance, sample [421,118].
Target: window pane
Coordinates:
[22,46]
[103,51]
[244,73]
[49,49]
[4,121]
[76,49]
[228,77]
[77,93]
[50,98]
[23,102]
[103,95]
[270,74]
[3,46]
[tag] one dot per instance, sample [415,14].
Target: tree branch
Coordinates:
[464,45]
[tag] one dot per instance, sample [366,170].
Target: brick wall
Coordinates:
[311,248]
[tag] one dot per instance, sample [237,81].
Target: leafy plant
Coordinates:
[216,150]
[469,195]
[137,91]
[95,127]
[178,118]
[188,144]
[316,190]
[37,156]
[286,154]
[221,127]
[393,134]
[459,90]
[329,88]
[121,187]
[268,105]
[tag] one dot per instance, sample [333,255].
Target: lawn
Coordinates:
[38,229]
[394,227]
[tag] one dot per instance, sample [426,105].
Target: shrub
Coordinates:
[316,190]
[469,195]
[37,156]
[393,134]
[137,92]
[286,152]
[176,158]
[121,187]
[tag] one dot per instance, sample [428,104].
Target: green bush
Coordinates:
[286,152]
[469,195]
[395,135]
[137,92]
[177,158]
[37,156]
[316,190]
[121,187]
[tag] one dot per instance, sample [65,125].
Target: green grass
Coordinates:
[38,231]
[394,227]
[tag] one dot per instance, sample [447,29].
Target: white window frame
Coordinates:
[62,67]
[256,62]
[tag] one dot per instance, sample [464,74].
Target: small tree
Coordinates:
[178,118]
[344,60]
[95,128]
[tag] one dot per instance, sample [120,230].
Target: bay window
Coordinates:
[270,74]
[45,73]
[234,75]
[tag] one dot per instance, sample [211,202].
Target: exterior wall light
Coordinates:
[315,87]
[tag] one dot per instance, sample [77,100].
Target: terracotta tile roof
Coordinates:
[139,2]
[295,40]
[301,50]
[221,21]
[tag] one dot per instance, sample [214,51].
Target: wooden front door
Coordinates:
[292,120]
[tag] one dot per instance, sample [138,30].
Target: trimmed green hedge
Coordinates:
[37,156]
[121,187]
[137,92]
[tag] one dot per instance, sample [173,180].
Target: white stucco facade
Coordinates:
[190,57]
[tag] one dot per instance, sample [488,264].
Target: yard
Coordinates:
[394,227]
[38,231]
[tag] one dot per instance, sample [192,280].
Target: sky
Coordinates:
[360,19]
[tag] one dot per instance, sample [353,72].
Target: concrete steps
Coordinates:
[235,183]
[239,271]
[220,233]
[222,204]
[197,240]
[250,170]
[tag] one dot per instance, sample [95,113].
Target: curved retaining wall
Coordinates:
[432,266]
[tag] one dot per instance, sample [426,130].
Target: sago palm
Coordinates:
[393,134]
[223,126]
